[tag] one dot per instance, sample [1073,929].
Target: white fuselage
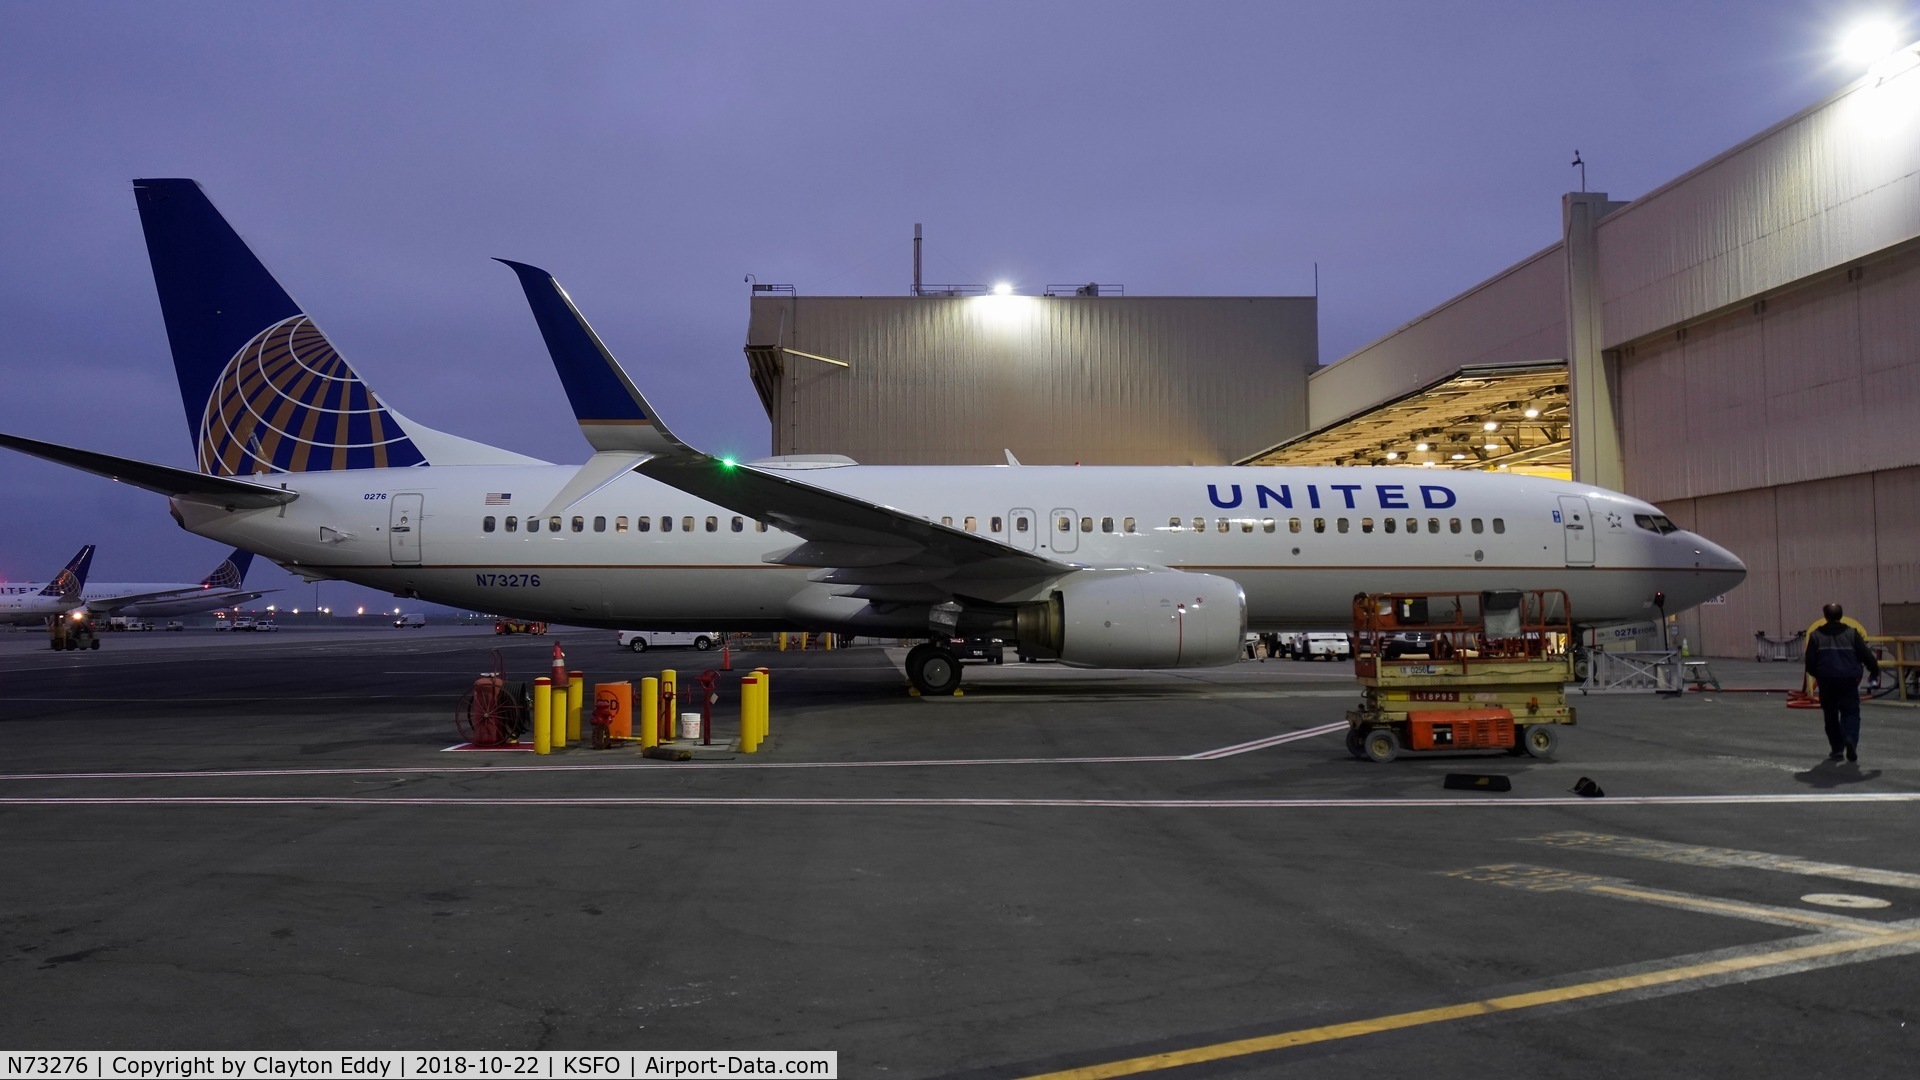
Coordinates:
[22,603]
[1299,565]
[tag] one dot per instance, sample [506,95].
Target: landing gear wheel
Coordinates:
[1540,740]
[1356,744]
[1381,744]
[934,670]
[1582,665]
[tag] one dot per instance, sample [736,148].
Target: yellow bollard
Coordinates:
[542,711]
[649,714]
[762,713]
[557,718]
[805,639]
[576,691]
[783,641]
[670,687]
[749,701]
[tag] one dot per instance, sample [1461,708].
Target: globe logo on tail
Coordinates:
[288,402]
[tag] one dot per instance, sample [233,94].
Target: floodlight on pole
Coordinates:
[1868,43]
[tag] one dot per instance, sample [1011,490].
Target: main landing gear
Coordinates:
[933,669]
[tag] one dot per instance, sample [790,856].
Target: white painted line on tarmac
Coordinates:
[1802,800]
[1719,858]
[1262,744]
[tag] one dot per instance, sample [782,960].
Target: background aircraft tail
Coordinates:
[264,390]
[73,577]
[232,573]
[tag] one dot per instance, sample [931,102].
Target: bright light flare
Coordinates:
[1003,288]
[1393,455]
[1421,447]
[1491,425]
[1532,414]
[1869,42]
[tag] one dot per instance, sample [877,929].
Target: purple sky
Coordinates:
[651,155]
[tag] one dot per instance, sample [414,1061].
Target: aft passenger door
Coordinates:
[403,528]
[1065,537]
[1575,524]
[1022,528]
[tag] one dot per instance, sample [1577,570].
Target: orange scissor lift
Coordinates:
[1493,676]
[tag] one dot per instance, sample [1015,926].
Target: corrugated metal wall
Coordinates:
[1839,182]
[1517,316]
[1099,380]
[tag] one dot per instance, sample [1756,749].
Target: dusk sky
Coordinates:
[653,155]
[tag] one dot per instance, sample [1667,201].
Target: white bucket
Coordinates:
[689,725]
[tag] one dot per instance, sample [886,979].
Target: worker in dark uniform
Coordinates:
[1836,657]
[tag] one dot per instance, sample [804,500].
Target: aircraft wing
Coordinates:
[842,532]
[235,494]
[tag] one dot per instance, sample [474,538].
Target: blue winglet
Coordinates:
[612,412]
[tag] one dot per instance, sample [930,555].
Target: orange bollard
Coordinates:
[619,696]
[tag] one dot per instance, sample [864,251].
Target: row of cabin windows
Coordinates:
[643,523]
[1063,523]
[1341,525]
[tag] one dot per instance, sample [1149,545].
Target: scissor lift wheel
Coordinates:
[1380,744]
[1539,740]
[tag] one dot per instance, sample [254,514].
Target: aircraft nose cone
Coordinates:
[1711,556]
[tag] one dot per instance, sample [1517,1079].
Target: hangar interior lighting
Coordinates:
[1450,424]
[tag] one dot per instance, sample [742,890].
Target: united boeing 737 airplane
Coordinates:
[1126,567]
[23,603]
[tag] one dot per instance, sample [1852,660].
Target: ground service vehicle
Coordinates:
[1496,679]
[412,620]
[642,640]
[1312,646]
[243,622]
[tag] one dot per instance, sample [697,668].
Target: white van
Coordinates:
[411,620]
[1319,647]
[642,640]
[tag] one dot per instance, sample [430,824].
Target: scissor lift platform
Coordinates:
[1494,678]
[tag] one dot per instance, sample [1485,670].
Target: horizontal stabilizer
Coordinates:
[175,483]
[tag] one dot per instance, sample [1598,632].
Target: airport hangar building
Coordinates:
[1740,346]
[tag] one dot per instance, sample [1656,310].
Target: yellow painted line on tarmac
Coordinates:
[1753,965]
[1749,911]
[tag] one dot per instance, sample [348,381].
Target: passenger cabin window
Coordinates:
[1266,524]
[1221,525]
[1389,523]
[1319,525]
[1086,525]
[620,523]
[513,524]
[686,523]
[1064,524]
[1106,524]
[486,524]
[599,524]
[1020,523]
[759,526]
[971,523]
[1341,525]
[713,524]
[666,523]
[739,524]
[1478,525]
[533,524]
[993,525]
[1246,525]
[1499,525]
[1433,525]
[553,523]
[1199,524]
[1366,525]
[643,523]
[1173,523]
[579,524]
[1453,525]
[946,521]
[1293,525]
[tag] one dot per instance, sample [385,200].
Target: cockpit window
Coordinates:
[1655,523]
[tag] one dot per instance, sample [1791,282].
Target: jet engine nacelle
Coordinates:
[1138,619]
